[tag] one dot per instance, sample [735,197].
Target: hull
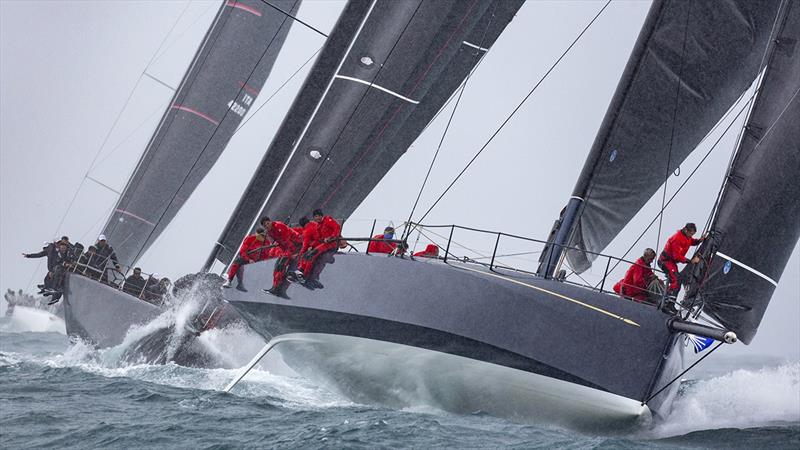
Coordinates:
[100,314]
[566,353]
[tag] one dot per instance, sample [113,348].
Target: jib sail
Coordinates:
[757,222]
[691,61]
[385,72]
[224,78]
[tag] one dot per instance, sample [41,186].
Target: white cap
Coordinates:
[102,237]
[155,275]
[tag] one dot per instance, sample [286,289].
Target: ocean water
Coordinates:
[54,393]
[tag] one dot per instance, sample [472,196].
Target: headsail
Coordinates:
[398,68]
[224,78]
[757,222]
[691,61]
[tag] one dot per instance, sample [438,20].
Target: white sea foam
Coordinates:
[33,320]
[739,399]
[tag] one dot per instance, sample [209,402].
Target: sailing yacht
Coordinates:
[470,336]
[223,80]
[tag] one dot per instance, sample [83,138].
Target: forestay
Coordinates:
[757,222]
[221,84]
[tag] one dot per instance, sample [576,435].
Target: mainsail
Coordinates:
[396,64]
[757,222]
[691,61]
[224,78]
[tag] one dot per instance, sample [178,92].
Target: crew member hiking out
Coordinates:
[286,239]
[674,253]
[328,233]
[636,283]
[254,248]
[62,260]
[48,251]
[379,245]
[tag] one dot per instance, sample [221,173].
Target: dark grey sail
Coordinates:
[691,61]
[224,78]
[402,62]
[294,123]
[757,222]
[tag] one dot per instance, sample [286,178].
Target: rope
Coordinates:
[480,55]
[216,128]
[108,135]
[253,114]
[503,124]
[674,119]
[681,186]
[294,18]
[719,344]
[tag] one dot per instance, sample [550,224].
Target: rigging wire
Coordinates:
[213,134]
[285,13]
[697,167]
[503,124]
[318,171]
[274,93]
[108,135]
[740,138]
[719,344]
[748,106]
[480,56]
[678,83]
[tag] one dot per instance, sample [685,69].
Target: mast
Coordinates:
[691,61]
[756,223]
[397,70]
[228,70]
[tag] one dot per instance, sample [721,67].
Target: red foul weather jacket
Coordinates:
[431,251]
[637,280]
[329,228]
[676,248]
[284,236]
[310,236]
[253,249]
[379,246]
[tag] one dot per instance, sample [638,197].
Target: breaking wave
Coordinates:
[743,398]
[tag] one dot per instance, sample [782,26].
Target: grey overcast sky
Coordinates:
[67,68]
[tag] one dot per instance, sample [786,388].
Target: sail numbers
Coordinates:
[239,109]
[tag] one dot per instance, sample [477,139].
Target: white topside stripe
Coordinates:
[748,268]
[380,88]
[477,47]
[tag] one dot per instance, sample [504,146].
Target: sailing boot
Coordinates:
[240,280]
[226,284]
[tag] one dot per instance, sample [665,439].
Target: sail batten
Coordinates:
[691,61]
[225,76]
[398,71]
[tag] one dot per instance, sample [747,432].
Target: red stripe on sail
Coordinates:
[196,113]
[251,10]
[249,89]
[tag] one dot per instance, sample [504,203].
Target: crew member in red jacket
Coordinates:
[674,253]
[254,248]
[310,235]
[381,246]
[328,233]
[431,251]
[285,238]
[637,279]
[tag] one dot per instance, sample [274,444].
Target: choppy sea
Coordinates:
[54,393]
